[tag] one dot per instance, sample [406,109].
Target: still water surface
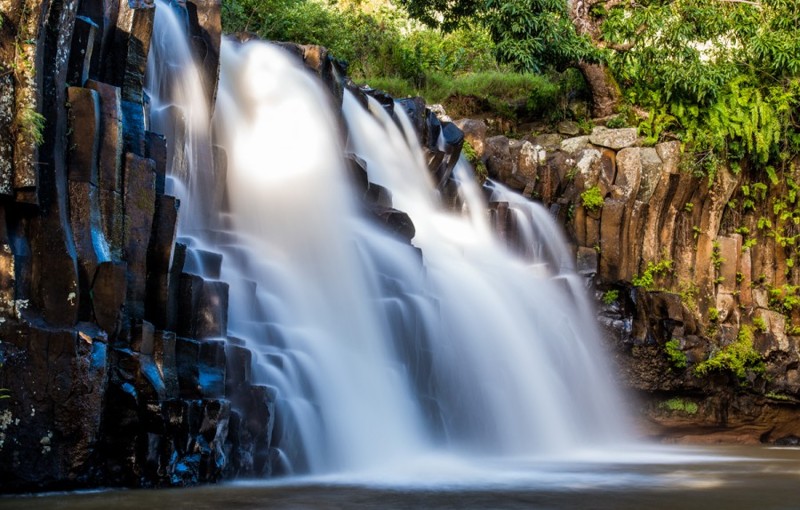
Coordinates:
[654,478]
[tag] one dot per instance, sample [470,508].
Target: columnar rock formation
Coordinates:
[114,358]
[693,263]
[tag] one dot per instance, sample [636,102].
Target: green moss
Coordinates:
[676,356]
[739,358]
[680,405]
[713,314]
[760,324]
[592,199]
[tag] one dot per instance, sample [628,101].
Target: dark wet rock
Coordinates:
[414,107]
[82,50]
[90,244]
[395,221]
[139,202]
[378,196]
[205,24]
[498,158]
[51,426]
[790,440]
[203,311]
[110,156]
[156,149]
[200,367]
[358,173]
[159,256]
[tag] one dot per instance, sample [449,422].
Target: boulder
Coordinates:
[569,128]
[498,158]
[474,133]
[614,138]
[575,145]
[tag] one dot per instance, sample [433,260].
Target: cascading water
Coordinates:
[377,355]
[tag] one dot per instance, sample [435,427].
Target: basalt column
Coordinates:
[105,341]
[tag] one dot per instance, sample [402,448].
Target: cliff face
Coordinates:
[107,345]
[696,278]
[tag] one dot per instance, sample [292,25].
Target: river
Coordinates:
[653,478]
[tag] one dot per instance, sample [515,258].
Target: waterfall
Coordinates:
[378,354]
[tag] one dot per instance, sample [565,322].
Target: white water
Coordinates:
[379,358]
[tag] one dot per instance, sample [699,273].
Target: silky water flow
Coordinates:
[380,353]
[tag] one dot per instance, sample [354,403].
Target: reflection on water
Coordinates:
[653,478]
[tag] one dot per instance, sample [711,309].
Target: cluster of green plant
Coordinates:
[610,296]
[468,151]
[723,76]
[680,405]
[592,198]
[653,271]
[688,293]
[785,298]
[760,324]
[738,358]
[778,396]
[674,353]
[30,124]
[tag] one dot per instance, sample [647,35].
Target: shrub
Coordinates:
[611,296]
[592,199]
[676,356]
[738,358]
[648,278]
[680,405]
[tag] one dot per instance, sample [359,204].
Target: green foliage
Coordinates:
[654,270]
[680,405]
[688,293]
[30,124]
[674,353]
[655,125]
[724,75]
[760,324]
[534,34]
[592,198]
[778,396]
[713,314]
[481,173]
[610,296]
[531,35]
[738,358]
[785,298]
[382,42]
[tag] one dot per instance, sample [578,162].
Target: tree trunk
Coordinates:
[606,95]
[605,91]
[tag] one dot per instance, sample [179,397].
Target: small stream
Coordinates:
[652,477]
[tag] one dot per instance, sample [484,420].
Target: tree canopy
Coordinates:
[529,34]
